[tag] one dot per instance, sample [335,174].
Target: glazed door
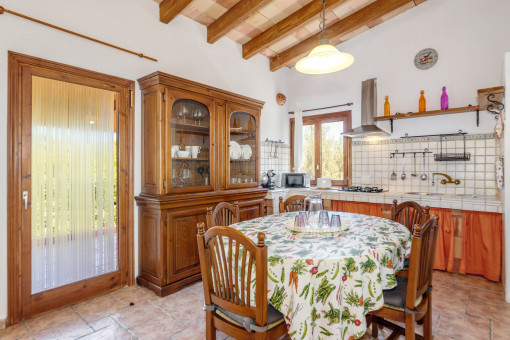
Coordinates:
[74,189]
[243,146]
[190,142]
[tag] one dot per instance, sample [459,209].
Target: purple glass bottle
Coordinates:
[444,99]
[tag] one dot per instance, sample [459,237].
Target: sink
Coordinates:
[423,193]
[475,196]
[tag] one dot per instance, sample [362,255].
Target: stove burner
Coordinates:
[361,189]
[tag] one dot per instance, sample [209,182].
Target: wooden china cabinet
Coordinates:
[199,147]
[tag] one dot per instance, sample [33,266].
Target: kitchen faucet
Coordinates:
[445,181]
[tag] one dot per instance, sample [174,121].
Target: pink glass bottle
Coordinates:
[444,99]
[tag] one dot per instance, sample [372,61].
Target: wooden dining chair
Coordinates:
[293,203]
[411,299]
[409,214]
[227,258]
[224,214]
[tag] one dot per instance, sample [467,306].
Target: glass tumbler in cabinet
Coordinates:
[242,150]
[190,144]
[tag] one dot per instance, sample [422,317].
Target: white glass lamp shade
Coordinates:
[324,58]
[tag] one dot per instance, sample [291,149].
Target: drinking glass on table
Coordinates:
[314,209]
[324,219]
[336,222]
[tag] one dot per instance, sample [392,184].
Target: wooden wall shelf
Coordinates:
[429,113]
[470,108]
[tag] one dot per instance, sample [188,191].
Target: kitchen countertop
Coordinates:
[482,203]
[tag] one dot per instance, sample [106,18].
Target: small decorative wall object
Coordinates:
[281,99]
[425,59]
[422,103]
[444,99]
[386,107]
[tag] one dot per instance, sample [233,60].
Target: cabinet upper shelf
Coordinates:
[191,127]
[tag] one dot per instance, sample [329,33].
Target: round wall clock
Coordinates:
[425,59]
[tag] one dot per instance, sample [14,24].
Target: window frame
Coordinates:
[317,120]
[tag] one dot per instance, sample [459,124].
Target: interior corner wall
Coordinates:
[470,37]
[506,189]
[180,47]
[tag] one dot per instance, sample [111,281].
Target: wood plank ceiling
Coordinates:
[283,30]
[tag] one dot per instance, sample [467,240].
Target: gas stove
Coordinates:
[362,189]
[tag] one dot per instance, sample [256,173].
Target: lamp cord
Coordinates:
[322,24]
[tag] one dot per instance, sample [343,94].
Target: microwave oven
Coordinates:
[295,180]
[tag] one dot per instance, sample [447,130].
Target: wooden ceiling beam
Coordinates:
[232,18]
[169,9]
[287,26]
[351,23]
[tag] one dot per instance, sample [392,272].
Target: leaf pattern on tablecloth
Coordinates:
[324,284]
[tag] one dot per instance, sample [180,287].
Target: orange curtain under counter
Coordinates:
[482,234]
[372,209]
[445,239]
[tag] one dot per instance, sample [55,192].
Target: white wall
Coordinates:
[181,48]
[470,37]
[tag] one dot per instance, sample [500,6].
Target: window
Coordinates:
[326,153]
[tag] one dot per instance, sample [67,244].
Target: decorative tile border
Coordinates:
[424,139]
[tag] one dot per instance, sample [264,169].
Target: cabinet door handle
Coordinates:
[25,198]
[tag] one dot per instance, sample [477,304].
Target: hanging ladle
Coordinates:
[403,177]
[424,175]
[414,174]
[393,176]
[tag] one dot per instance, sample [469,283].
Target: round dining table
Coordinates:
[325,283]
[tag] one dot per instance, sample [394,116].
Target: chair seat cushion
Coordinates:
[274,318]
[395,298]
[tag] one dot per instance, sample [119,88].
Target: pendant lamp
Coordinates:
[324,58]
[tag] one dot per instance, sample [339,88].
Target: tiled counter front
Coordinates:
[442,201]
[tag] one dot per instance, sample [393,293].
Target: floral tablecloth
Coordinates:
[324,284]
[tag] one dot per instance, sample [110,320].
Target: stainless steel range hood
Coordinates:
[368,112]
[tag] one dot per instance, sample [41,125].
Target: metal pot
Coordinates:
[264,179]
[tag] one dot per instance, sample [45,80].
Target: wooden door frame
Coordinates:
[16,62]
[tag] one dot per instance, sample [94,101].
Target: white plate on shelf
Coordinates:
[246,151]
[235,150]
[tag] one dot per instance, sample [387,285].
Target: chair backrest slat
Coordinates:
[224,214]
[409,214]
[228,260]
[293,203]
[421,264]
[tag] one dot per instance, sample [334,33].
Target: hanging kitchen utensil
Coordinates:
[424,175]
[499,125]
[414,174]
[393,176]
[403,177]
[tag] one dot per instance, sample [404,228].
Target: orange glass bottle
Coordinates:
[386,107]
[422,104]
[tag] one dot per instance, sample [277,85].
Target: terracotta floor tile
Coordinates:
[99,309]
[102,323]
[195,295]
[197,332]
[498,287]
[444,293]
[449,307]
[162,327]
[482,321]
[135,295]
[65,331]
[13,332]
[494,312]
[51,319]
[112,332]
[500,331]
[190,313]
[137,314]
[460,328]
[473,281]
[171,302]
[489,296]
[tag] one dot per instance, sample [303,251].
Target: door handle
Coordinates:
[25,198]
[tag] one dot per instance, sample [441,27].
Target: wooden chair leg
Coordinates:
[427,320]
[375,327]
[210,331]
[410,332]
[260,335]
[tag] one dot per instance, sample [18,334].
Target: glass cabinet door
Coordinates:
[242,149]
[190,144]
